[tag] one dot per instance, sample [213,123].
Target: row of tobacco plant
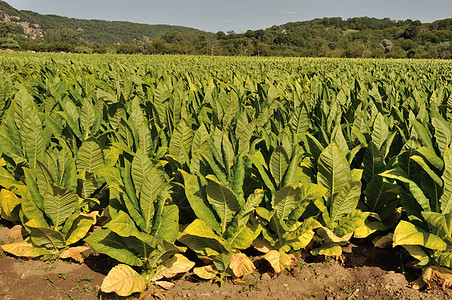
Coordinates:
[217,155]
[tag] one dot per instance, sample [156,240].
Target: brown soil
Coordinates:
[366,273]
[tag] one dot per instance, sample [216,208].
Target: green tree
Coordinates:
[63,35]
[6,29]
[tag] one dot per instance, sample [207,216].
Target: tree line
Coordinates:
[327,37]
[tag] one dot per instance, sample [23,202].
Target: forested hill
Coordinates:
[325,37]
[96,30]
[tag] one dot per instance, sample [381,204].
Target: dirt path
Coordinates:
[366,273]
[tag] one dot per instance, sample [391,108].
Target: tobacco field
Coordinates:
[175,165]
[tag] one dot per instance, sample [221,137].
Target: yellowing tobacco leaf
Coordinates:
[407,233]
[262,245]
[173,266]
[205,272]
[367,228]
[25,249]
[329,235]
[124,281]
[330,249]
[278,260]
[8,202]
[77,253]
[241,265]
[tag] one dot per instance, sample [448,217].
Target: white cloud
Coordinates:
[225,21]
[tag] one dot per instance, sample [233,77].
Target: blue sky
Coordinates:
[237,15]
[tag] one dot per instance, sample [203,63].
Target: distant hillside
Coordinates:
[326,37]
[92,30]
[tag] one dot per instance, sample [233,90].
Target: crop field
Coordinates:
[218,168]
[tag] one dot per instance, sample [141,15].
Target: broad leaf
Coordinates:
[124,281]
[446,198]
[90,156]
[241,265]
[224,201]
[279,162]
[278,260]
[408,234]
[346,201]
[59,205]
[333,170]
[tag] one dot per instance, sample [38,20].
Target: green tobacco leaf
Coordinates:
[333,170]
[312,191]
[206,152]
[181,140]
[373,162]
[124,226]
[107,242]
[251,203]
[79,229]
[163,252]
[90,156]
[24,107]
[153,187]
[228,152]
[350,222]
[431,157]
[87,117]
[70,115]
[418,253]
[443,134]
[284,201]
[444,258]
[279,162]
[423,164]
[241,239]
[124,281]
[415,190]
[45,237]
[31,206]
[259,162]
[59,205]
[345,202]
[446,198]
[33,138]
[224,201]
[379,193]
[380,131]
[439,223]
[423,134]
[222,261]
[338,137]
[201,239]
[168,226]
[408,234]
[295,173]
[239,177]
[198,204]
[201,135]
[141,168]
